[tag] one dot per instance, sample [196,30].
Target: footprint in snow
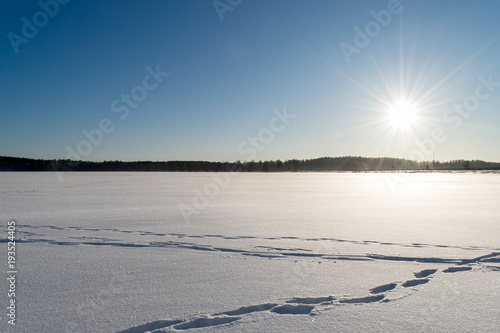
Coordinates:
[454,269]
[383,288]
[416,282]
[424,273]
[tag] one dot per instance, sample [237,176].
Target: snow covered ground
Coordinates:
[260,252]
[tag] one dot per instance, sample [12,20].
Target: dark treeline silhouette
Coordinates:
[346,163]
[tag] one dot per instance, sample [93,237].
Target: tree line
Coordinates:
[345,163]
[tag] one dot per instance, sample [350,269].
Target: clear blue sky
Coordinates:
[227,76]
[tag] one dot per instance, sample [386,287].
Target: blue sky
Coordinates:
[229,78]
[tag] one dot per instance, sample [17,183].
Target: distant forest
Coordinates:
[347,163]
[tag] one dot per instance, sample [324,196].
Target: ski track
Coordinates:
[310,306]
[265,252]
[321,239]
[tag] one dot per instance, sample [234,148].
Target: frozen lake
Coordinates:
[254,252]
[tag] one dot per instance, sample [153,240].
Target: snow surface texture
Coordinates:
[112,252]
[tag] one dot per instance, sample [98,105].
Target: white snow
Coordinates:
[261,252]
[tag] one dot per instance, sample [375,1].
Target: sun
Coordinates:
[402,115]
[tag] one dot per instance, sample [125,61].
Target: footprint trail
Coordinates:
[307,306]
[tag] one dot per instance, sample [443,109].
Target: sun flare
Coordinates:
[402,114]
